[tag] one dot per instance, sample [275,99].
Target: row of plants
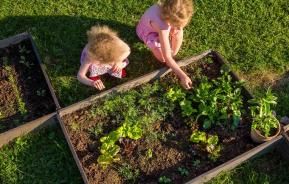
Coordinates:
[24,94]
[13,82]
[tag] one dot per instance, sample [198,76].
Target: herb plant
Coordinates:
[263,118]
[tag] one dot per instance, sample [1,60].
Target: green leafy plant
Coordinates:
[263,118]
[149,153]
[183,171]
[74,126]
[97,130]
[218,101]
[176,94]
[209,142]
[164,180]
[128,173]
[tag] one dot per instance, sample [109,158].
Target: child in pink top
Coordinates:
[104,53]
[161,29]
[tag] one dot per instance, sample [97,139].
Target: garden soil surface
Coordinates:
[30,83]
[169,153]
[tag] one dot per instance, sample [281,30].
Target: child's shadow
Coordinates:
[60,40]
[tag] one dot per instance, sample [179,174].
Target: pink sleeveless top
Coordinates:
[144,27]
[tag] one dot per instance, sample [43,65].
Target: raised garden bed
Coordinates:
[26,94]
[158,132]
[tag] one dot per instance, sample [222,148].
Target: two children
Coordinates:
[161,30]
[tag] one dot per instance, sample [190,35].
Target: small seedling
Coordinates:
[97,130]
[128,173]
[74,126]
[41,92]
[164,180]
[23,50]
[196,163]
[149,153]
[183,171]
[25,62]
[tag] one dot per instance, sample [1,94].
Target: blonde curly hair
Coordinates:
[176,12]
[104,45]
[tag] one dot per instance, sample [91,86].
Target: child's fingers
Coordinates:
[99,85]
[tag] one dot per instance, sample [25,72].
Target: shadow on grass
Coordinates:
[41,157]
[60,40]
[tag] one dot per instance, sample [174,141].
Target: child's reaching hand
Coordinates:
[186,82]
[98,84]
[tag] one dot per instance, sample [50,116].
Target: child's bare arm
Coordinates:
[176,40]
[166,50]
[81,76]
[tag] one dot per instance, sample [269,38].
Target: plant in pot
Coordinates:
[265,125]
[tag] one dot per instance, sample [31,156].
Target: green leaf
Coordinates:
[207,124]
[198,136]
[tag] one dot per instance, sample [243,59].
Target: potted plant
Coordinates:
[265,125]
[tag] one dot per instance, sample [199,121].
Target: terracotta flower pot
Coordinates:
[257,137]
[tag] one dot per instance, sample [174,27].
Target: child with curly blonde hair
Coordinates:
[104,53]
[161,29]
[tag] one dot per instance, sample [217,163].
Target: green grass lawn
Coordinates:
[252,35]
[43,157]
[271,168]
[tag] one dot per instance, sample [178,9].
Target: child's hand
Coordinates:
[117,67]
[186,82]
[98,84]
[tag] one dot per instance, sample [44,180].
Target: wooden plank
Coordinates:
[50,87]
[26,128]
[74,154]
[13,40]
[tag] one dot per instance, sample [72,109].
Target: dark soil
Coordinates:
[171,151]
[30,83]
